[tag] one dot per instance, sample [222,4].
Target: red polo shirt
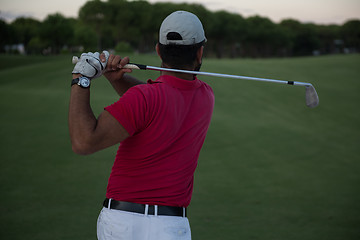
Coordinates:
[167,120]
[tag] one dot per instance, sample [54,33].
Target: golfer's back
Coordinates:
[167,120]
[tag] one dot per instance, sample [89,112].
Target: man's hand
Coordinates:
[114,70]
[90,65]
[115,73]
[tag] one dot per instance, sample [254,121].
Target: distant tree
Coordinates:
[97,15]
[131,22]
[265,38]
[330,40]
[85,37]
[57,31]
[291,28]
[25,29]
[7,34]
[141,26]
[303,36]
[307,41]
[36,45]
[350,32]
[226,33]
[160,10]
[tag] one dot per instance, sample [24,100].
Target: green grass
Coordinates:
[270,168]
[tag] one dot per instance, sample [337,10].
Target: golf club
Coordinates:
[311,97]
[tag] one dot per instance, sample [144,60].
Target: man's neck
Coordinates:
[185,76]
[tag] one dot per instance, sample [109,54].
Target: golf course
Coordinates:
[270,169]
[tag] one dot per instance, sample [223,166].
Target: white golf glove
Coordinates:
[90,65]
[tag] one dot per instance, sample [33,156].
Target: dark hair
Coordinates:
[179,56]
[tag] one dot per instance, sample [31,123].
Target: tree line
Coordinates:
[133,26]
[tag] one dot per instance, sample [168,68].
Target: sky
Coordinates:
[315,11]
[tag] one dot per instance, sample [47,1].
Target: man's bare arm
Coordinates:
[88,134]
[123,84]
[115,73]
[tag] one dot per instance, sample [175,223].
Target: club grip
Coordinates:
[135,66]
[74,60]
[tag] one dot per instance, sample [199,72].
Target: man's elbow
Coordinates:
[82,149]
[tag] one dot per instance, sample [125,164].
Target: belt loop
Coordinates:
[146,209]
[184,212]
[156,210]
[109,204]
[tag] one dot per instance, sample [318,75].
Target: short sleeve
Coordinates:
[130,110]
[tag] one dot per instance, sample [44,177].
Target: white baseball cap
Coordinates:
[182,23]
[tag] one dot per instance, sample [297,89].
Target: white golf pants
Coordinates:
[120,225]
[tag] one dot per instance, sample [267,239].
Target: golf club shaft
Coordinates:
[311,97]
[145,67]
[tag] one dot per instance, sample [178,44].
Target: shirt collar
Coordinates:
[177,82]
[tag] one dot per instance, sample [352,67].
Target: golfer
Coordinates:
[161,126]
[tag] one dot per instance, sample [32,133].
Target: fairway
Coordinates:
[270,169]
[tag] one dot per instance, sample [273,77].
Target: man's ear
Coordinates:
[199,54]
[157,50]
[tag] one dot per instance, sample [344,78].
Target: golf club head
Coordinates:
[311,97]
